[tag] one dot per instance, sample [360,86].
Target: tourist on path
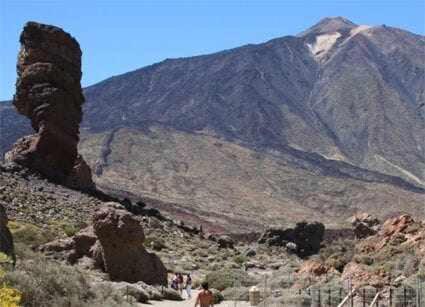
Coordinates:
[189,286]
[175,282]
[180,282]
[205,297]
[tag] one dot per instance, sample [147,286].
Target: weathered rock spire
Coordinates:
[48,92]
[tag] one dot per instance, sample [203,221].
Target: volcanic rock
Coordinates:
[225,242]
[400,239]
[364,225]
[115,244]
[48,92]
[121,236]
[6,239]
[306,237]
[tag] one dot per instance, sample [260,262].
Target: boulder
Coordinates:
[115,245]
[131,292]
[48,92]
[6,239]
[225,242]
[71,249]
[249,252]
[124,257]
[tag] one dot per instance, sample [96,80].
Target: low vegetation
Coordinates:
[37,281]
[226,278]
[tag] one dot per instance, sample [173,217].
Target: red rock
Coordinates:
[360,275]
[312,267]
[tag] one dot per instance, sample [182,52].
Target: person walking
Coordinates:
[180,282]
[175,282]
[188,286]
[205,297]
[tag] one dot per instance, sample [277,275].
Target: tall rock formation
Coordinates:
[48,92]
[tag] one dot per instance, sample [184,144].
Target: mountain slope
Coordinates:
[12,126]
[344,91]
[339,106]
[234,188]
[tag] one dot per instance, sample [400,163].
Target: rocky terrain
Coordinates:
[173,200]
[328,121]
[388,256]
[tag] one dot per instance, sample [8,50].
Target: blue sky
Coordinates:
[122,35]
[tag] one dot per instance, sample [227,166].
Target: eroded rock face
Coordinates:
[6,239]
[48,92]
[115,245]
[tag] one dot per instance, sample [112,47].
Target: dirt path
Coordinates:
[191,303]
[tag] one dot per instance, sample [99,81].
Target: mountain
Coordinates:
[12,126]
[322,124]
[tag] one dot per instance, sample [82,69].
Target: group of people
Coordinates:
[205,296]
[178,283]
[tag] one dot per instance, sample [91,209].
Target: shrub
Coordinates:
[53,284]
[289,298]
[9,297]
[363,259]
[240,259]
[30,234]
[236,294]
[227,278]
[218,297]
[65,227]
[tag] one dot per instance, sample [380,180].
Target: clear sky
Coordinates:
[117,36]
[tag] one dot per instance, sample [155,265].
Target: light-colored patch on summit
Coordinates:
[400,169]
[363,29]
[359,29]
[323,44]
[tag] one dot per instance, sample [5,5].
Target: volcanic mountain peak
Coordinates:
[329,25]
[328,34]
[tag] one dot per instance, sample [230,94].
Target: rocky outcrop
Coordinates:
[115,245]
[121,237]
[307,238]
[48,92]
[223,241]
[400,240]
[364,225]
[402,231]
[6,239]
[73,249]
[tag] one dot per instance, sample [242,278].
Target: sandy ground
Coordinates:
[191,303]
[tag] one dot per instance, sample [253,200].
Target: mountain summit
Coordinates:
[324,123]
[329,25]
